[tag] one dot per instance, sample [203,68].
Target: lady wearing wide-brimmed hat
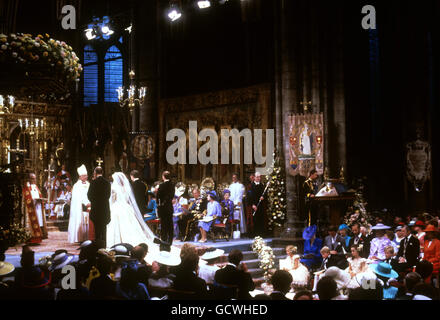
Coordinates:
[385,274]
[379,243]
[207,271]
[312,248]
[5,269]
[341,277]
[60,260]
[214,212]
[162,278]
[432,248]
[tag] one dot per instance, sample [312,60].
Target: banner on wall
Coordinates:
[306,143]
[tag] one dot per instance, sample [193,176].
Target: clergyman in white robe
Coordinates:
[237,193]
[79,218]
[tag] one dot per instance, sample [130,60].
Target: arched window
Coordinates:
[113,74]
[90,74]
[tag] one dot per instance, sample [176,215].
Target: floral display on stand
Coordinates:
[358,212]
[277,204]
[265,255]
[57,56]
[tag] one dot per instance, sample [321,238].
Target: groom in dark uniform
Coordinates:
[99,195]
[310,189]
[165,195]
[139,191]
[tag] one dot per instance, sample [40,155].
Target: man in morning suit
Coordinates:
[139,190]
[361,240]
[409,250]
[165,195]
[99,195]
[335,242]
[234,275]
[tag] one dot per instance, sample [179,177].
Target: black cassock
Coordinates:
[165,195]
[256,192]
[99,195]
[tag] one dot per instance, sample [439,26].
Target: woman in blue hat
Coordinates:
[312,247]
[214,212]
[343,232]
[386,274]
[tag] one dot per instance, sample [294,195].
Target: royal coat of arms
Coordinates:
[418,163]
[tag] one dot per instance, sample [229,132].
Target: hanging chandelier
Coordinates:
[132,95]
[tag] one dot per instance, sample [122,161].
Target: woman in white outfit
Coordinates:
[127,224]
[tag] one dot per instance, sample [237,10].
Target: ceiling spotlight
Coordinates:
[174,13]
[106,30]
[90,34]
[203,4]
[129,28]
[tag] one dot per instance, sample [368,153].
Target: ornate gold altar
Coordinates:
[31,135]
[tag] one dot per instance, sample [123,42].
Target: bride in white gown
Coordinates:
[127,224]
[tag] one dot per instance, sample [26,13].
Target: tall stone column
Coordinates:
[287,97]
[147,62]
[147,43]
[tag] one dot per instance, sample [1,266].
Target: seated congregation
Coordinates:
[357,263]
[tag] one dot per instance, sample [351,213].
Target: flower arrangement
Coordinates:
[358,213]
[266,256]
[13,235]
[26,49]
[277,197]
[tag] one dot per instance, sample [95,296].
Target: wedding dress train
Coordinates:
[127,224]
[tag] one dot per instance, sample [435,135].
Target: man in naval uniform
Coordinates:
[310,189]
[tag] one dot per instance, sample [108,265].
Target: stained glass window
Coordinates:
[113,74]
[90,74]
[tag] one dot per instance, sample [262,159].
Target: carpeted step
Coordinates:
[57,225]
